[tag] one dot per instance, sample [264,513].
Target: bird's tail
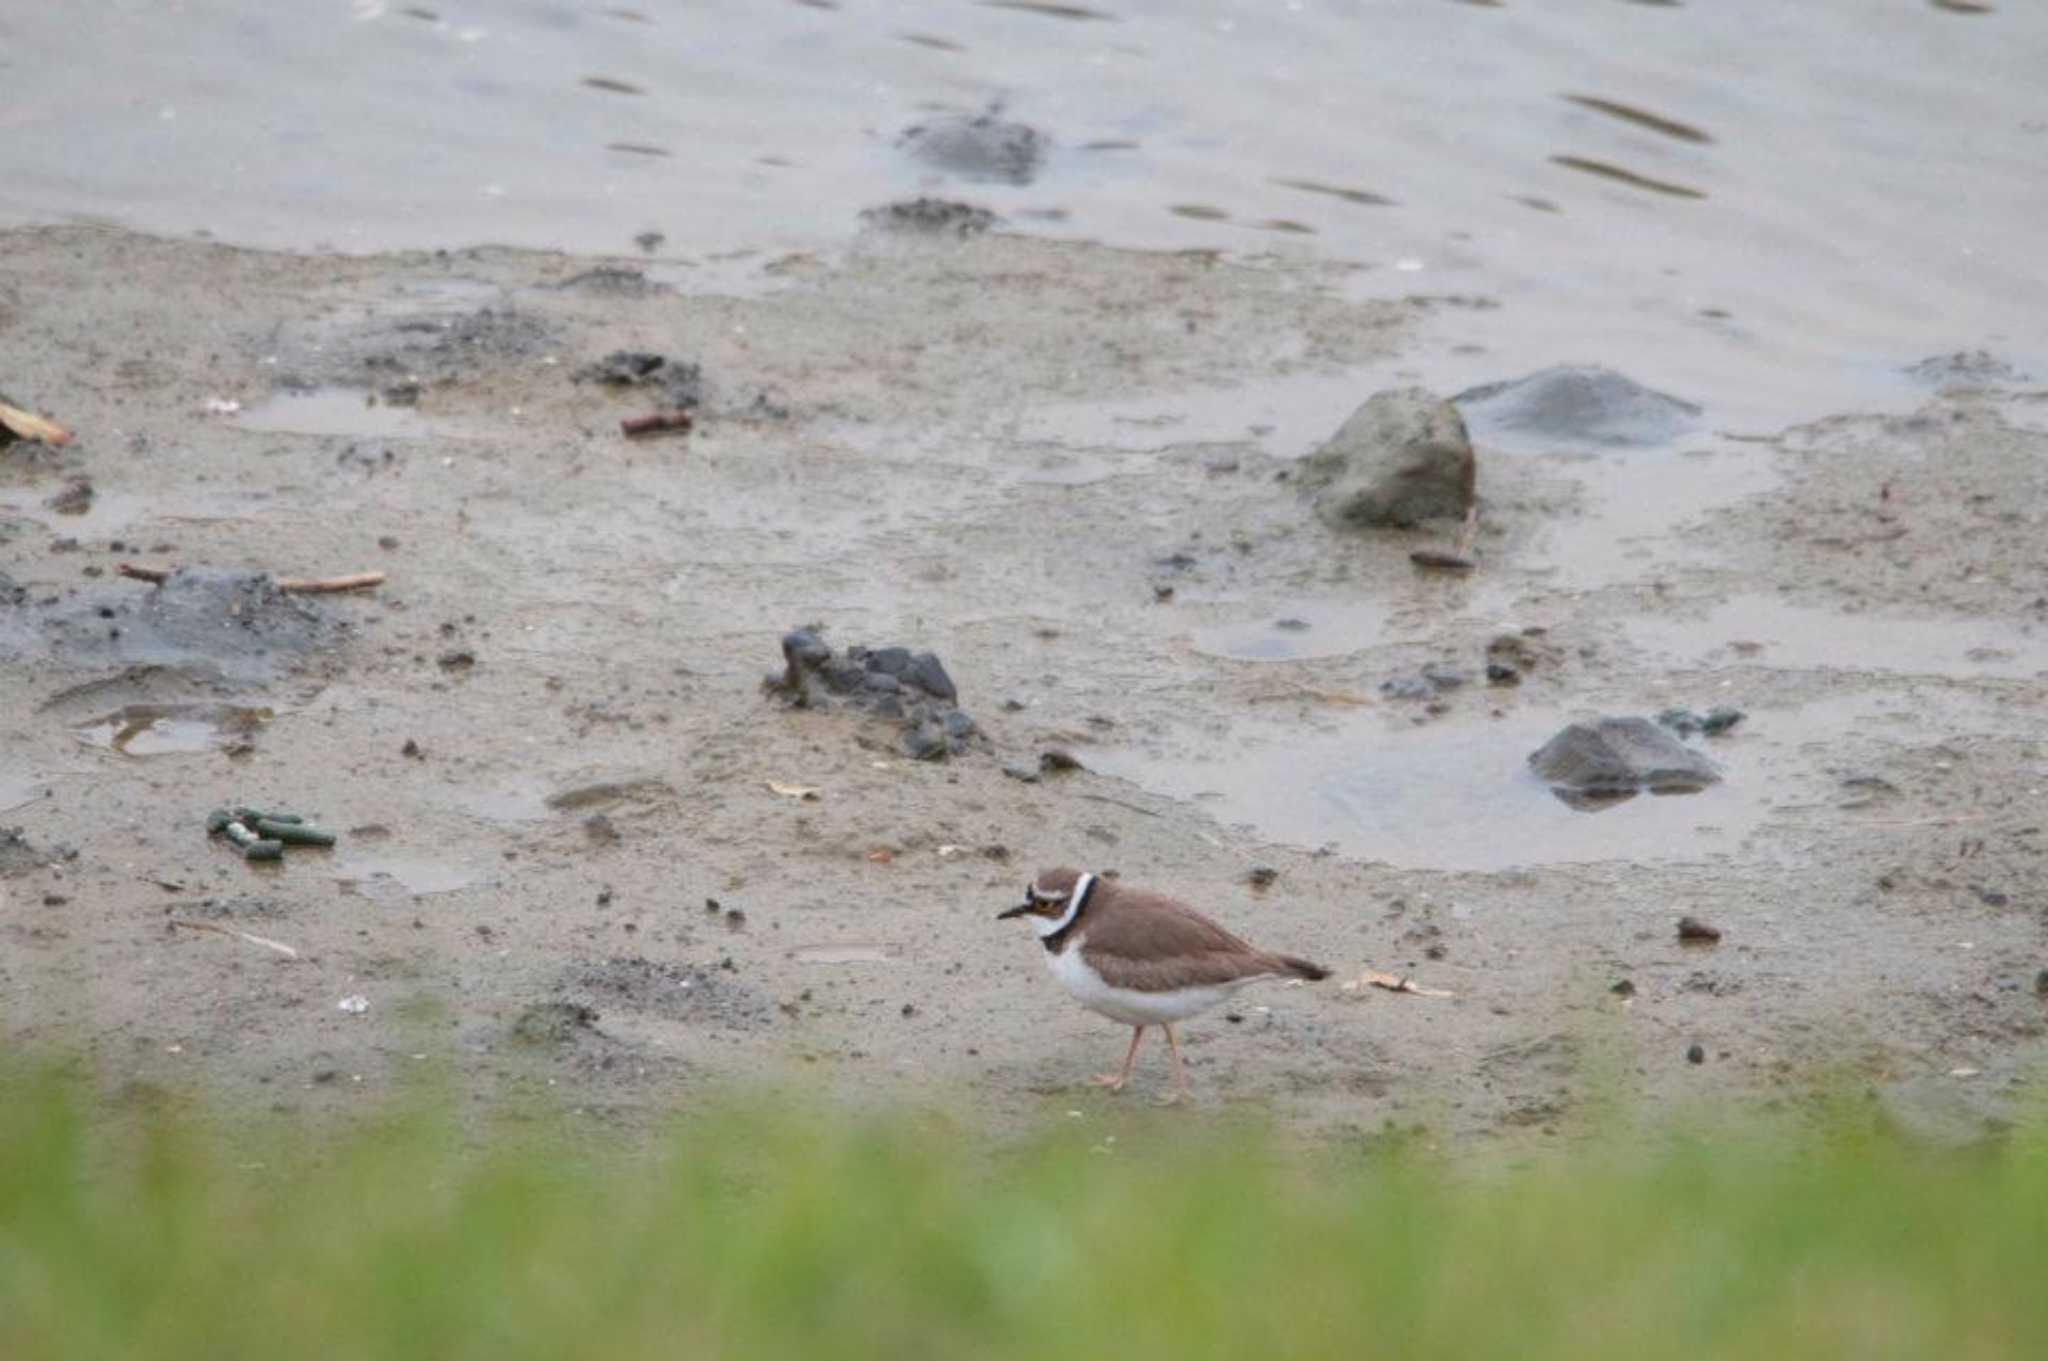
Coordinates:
[1302,968]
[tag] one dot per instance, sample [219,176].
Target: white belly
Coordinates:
[1128,1005]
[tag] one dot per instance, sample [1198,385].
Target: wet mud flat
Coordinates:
[583,849]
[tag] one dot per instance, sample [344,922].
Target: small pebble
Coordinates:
[1696,1054]
[1262,876]
[1624,988]
[1692,928]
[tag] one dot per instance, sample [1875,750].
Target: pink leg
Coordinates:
[1115,1081]
[1180,1073]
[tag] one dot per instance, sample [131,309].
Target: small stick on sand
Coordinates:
[190,925]
[297,585]
[656,422]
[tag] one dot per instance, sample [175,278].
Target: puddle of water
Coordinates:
[1306,629]
[390,880]
[333,411]
[1635,502]
[519,801]
[1447,795]
[843,954]
[171,729]
[1765,631]
[1286,416]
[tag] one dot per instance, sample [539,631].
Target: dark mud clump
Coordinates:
[680,384]
[1612,758]
[609,281]
[889,682]
[675,991]
[205,621]
[933,216]
[552,1023]
[1574,405]
[1966,368]
[17,855]
[984,147]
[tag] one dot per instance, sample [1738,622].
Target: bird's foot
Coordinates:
[1178,1096]
[1114,1081]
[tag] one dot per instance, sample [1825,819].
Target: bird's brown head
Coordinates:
[1052,899]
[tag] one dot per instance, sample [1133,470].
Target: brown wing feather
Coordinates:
[1149,943]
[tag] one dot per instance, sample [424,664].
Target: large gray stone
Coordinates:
[1401,459]
[1619,756]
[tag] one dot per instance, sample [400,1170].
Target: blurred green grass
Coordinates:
[769,1229]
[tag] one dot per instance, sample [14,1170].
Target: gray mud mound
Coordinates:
[1576,405]
[983,147]
[205,621]
[1611,757]
[889,682]
[677,992]
[434,347]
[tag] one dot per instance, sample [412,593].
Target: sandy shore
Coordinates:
[1005,451]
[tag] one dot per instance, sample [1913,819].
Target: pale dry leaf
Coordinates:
[1392,983]
[28,425]
[807,792]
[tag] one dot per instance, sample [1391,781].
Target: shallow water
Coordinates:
[1763,209]
[333,411]
[1454,795]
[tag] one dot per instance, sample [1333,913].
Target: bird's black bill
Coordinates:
[1030,901]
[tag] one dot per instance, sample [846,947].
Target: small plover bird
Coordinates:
[1141,958]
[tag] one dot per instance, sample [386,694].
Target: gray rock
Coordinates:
[925,741]
[1016,771]
[1619,756]
[959,726]
[1402,458]
[983,147]
[1577,405]
[926,672]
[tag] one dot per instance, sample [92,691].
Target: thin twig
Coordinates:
[656,422]
[190,925]
[355,581]
[297,585]
[1104,798]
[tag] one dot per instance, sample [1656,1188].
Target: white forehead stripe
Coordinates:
[1074,902]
